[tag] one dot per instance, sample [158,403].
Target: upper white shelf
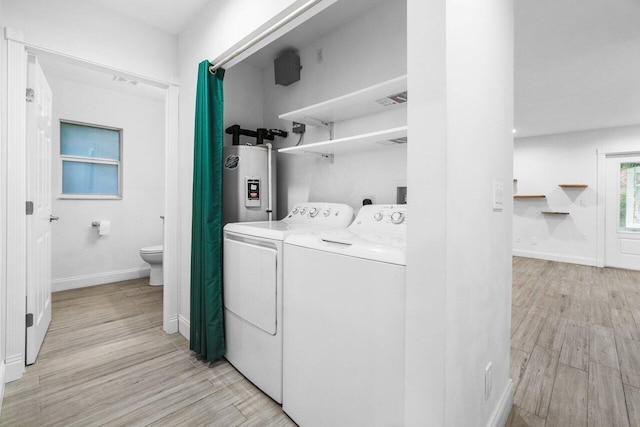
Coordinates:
[350,144]
[370,100]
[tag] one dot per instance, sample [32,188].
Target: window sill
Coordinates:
[88,197]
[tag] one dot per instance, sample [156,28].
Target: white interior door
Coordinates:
[622,212]
[39,100]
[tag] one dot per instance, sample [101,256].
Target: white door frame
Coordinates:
[16,193]
[601,188]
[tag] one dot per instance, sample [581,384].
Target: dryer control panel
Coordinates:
[336,215]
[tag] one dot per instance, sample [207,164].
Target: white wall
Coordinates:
[540,164]
[81,257]
[355,55]
[86,30]
[459,252]
[3,198]
[244,100]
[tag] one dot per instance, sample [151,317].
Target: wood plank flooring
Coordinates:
[575,349]
[106,361]
[575,359]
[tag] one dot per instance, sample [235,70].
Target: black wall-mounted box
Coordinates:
[287,68]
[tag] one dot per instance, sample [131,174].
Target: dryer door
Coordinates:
[250,281]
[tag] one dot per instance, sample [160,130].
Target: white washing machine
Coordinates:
[344,311]
[252,288]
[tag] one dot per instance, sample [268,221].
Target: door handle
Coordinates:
[53,218]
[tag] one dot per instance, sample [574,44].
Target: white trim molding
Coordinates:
[600,208]
[501,414]
[16,242]
[555,257]
[171,244]
[184,326]
[601,193]
[76,282]
[172,325]
[3,373]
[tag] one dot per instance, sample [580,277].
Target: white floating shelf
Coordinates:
[362,142]
[355,104]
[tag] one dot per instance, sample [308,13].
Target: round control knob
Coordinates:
[313,212]
[295,211]
[326,212]
[397,217]
[303,211]
[377,216]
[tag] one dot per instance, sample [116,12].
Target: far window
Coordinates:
[91,161]
[629,197]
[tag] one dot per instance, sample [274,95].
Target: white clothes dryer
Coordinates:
[344,311]
[252,288]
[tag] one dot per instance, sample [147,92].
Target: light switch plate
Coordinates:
[498,196]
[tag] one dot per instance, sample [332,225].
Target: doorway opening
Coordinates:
[16,157]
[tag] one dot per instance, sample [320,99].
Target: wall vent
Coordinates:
[396,98]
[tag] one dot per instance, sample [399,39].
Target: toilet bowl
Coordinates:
[153,256]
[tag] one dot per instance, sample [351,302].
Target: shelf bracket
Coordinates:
[312,121]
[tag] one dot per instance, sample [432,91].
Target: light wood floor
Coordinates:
[575,359]
[106,361]
[575,345]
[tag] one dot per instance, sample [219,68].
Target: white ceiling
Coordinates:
[577,62]
[577,65]
[171,16]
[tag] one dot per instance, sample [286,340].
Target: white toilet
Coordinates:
[153,255]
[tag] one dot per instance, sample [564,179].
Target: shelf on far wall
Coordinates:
[555,213]
[529,196]
[573,185]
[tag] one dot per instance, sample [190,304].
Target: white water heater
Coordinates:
[249,183]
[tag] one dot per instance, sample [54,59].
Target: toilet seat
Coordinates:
[151,249]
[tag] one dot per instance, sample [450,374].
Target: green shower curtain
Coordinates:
[207,312]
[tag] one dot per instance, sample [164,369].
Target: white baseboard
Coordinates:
[170,325]
[98,279]
[501,414]
[556,257]
[2,381]
[13,368]
[184,326]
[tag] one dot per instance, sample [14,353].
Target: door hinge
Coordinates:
[29,208]
[29,320]
[30,95]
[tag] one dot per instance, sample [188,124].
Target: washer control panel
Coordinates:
[326,214]
[381,216]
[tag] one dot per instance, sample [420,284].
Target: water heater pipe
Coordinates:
[270,180]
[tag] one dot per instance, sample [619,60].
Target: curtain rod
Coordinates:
[284,21]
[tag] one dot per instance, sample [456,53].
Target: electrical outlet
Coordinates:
[370,197]
[320,55]
[518,239]
[298,127]
[488,381]
[534,241]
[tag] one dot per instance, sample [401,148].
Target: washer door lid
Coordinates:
[250,283]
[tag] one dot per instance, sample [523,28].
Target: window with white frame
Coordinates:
[629,197]
[91,161]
